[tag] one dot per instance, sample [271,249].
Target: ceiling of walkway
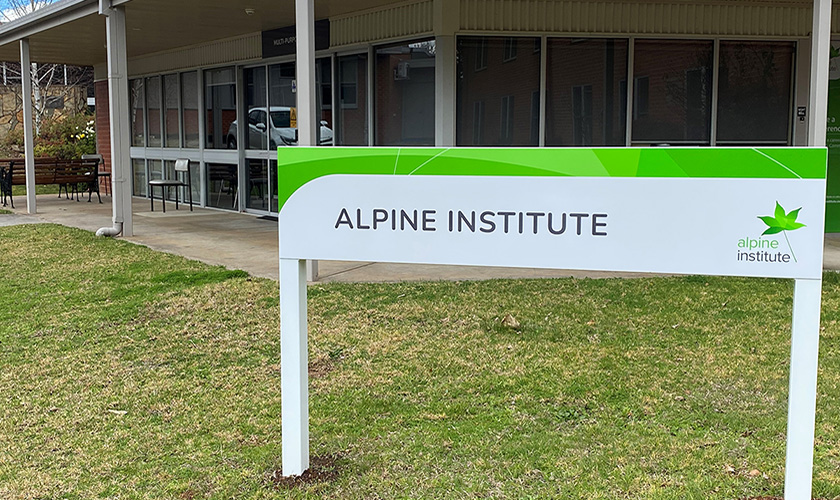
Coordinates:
[159,25]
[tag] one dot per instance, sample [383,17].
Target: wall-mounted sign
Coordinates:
[281,41]
[755,212]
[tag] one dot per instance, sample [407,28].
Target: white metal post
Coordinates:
[820,49]
[445,19]
[294,365]
[28,135]
[802,397]
[307,112]
[119,116]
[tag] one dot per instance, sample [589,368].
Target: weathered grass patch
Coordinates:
[135,374]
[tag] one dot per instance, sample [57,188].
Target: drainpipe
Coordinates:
[118,113]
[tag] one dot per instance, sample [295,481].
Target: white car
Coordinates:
[281,132]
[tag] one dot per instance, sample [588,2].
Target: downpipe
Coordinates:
[110,231]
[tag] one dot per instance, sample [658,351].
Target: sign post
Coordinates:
[754,212]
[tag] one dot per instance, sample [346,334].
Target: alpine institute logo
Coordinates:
[767,249]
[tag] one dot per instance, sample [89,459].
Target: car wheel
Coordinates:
[272,145]
[231,142]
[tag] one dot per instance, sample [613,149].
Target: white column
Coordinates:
[446,23]
[820,49]
[802,397]
[119,116]
[294,366]
[307,111]
[28,135]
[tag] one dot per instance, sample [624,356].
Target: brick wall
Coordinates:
[103,125]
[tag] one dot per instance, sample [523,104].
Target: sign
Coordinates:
[755,212]
[281,41]
[832,140]
[688,211]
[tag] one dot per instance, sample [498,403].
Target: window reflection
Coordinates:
[405,94]
[672,91]
[498,91]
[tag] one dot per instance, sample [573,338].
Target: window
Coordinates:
[478,122]
[582,114]
[675,101]
[222,185]
[586,92]
[137,100]
[405,94]
[506,114]
[140,184]
[153,113]
[348,75]
[481,54]
[754,92]
[220,107]
[352,113]
[641,96]
[535,117]
[510,49]
[493,123]
[171,120]
[256,98]
[189,114]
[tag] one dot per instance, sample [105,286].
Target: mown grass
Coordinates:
[20,190]
[133,374]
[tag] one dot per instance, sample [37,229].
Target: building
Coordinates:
[428,72]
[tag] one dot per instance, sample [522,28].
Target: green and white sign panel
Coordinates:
[740,212]
[756,212]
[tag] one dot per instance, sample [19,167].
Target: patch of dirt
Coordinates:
[319,368]
[322,469]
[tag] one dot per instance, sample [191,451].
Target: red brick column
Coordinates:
[103,126]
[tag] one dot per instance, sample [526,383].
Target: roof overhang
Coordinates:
[73,31]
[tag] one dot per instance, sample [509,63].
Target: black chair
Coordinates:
[6,184]
[181,165]
[97,160]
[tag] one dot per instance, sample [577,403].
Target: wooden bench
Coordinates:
[68,174]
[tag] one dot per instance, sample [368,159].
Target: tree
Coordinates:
[52,84]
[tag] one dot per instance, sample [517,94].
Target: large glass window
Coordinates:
[352,113]
[137,96]
[172,139]
[222,185]
[256,98]
[405,94]
[754,87]
[585,92]
[153,111]
[220,107]
[672,91]
[498,91]
[189,103]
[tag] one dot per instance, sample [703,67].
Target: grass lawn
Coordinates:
[126,373]
[39,189]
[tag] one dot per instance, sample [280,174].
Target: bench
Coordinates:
[68,174]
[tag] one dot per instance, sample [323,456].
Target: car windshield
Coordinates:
[281,119]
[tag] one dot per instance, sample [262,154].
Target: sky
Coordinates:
[11,9]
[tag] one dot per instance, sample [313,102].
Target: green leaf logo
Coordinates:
[782,222]
[834,53]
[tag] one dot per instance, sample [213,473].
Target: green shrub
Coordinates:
[67,137]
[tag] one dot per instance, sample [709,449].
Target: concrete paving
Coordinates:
[249,242]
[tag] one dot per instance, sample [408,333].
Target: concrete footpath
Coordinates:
[248,242]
